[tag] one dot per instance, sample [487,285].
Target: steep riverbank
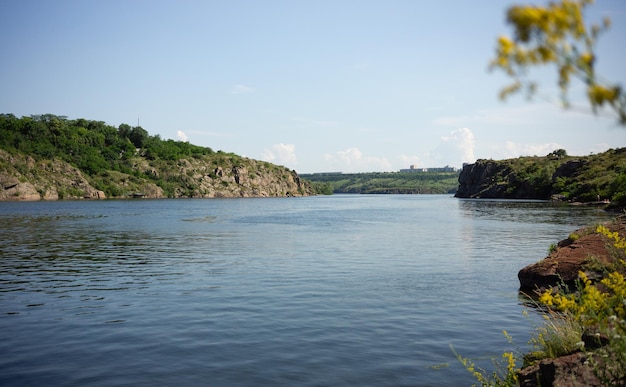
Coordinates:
[23,177]
[596,178]
[590,252]
[49,157]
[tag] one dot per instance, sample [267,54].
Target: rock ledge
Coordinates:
[585,251]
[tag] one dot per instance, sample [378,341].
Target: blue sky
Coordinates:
[341,85]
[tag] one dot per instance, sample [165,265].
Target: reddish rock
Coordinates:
[585,253]
[588,253]
[569,370]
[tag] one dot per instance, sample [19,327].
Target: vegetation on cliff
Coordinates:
[557,176]
[56,157]
[582,340]
[387,182]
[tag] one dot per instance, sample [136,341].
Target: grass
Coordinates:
[553,247]
[559,335]
[504,373]
[594,309]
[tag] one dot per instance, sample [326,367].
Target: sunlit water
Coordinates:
[317,291]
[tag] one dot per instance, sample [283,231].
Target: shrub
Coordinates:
[600,308]
[504,375]
[553,247]
[559,335]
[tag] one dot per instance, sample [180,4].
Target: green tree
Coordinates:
[138,136]
[556,34]
[124,131]
[557,154]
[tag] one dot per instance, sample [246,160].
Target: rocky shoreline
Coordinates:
[22,178]
[594,179]
[583,251]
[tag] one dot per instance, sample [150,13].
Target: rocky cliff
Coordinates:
[556,176]
[494,179]
[24,178]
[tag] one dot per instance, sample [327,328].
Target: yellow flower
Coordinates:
[583,277]
[599,94]
[546,298]
[506,45]
[510,362]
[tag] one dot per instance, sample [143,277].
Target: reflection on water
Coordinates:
[531,211]
[363,290]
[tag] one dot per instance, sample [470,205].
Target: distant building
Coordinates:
[414,168]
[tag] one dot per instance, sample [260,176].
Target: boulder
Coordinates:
[584,251]
[95,194]
[569,370]
[19,191]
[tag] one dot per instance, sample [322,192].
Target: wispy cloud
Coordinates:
[353,160]
[511,149]
[284,154]
[408,160]
[461,142]
[454,149]
[241,89]
[513,115]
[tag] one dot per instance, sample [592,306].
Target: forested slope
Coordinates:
[387,182]
[52,157]
[555,176]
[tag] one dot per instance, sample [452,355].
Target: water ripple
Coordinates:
[356,290]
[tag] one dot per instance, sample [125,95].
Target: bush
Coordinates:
[599,308]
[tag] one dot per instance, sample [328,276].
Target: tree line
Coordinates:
[91,146]
[386,182]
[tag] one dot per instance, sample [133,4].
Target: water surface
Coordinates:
[315,291]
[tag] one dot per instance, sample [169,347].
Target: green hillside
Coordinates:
[126,161]
[387,182]
[557,176]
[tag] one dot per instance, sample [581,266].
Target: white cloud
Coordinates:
[182,136]
[241,89]
[511,149]
[456,148]
[518,116]
[352,160]
[453,149]
[599,148]
[407,161]
[350,155]
[283,154]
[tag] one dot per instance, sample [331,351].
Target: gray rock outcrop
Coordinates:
[24,178]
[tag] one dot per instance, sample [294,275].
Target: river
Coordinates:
[362,290]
